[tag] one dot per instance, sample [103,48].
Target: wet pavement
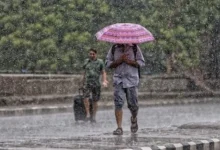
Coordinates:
[159,125]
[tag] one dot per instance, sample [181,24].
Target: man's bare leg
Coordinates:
[86,104]
[94,110]
[118,116]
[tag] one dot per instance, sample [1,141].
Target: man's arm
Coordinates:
[104,78]
[124,59]
[131,62]
[82,80]
[116,63]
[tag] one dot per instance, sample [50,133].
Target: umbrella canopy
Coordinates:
[125,33]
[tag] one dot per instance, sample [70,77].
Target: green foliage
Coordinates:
[54,36]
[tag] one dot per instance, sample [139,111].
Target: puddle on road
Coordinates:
[105,141]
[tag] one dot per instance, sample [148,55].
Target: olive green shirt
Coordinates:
[93,70]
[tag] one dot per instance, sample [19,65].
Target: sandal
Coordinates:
[87,119]
[134,125]
[92,120]
[118,131]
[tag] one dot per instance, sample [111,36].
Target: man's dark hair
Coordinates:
[93,50]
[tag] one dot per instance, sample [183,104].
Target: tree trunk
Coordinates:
[168,65]
[170,61]
[195,75]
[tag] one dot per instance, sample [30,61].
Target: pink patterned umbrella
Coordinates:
[125,33]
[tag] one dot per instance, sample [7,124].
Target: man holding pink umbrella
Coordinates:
[125,58]
[125,81]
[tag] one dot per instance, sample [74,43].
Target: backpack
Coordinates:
[134,47]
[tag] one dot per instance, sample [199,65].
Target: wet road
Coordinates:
[157,126]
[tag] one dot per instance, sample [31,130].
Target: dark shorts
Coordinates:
[91,89]
[120,94]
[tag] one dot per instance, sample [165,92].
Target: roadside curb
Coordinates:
[8,101]
[213,144]
[34,110]
[38,109]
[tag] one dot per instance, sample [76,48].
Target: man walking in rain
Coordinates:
[94,68]
[125,59]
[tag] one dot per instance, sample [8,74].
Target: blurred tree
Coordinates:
[54,36]
[48,35]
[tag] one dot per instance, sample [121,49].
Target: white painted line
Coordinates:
[146,148]
[216,144]
[215,140]
[204,141]
[162,147]
[192,145]
[51,107]
[205,144]
[178,146]
[35,107]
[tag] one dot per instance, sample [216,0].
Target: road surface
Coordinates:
[157,126]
